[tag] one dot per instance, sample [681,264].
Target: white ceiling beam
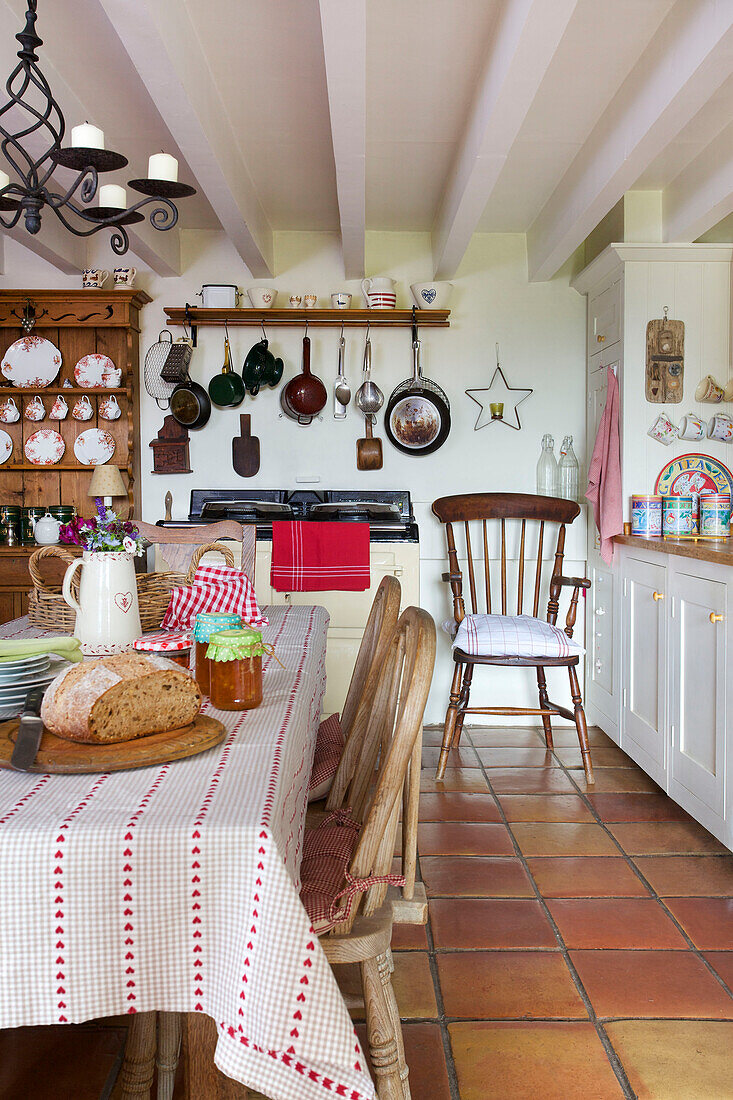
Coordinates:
[701,195]
[54,244]
[162,44]
[686,61]
[522,49]
[343,27]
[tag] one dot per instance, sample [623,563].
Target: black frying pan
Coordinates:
[191,405]
[417,417]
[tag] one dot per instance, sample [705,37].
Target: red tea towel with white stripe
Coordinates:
[214,589]
[320,557]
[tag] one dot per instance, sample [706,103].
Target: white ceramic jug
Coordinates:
[379,293]
[107,612]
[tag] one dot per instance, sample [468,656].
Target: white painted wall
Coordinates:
[541,331]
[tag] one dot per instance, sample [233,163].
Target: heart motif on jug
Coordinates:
[429,295]
[124,601]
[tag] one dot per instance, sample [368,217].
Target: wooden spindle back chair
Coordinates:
[469,521]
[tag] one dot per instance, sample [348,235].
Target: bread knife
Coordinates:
[30,731]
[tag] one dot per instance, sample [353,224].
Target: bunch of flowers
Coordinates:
[103,532]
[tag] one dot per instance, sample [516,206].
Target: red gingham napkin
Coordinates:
[319,557]
[214,589]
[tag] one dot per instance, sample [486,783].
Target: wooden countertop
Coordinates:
[702,550]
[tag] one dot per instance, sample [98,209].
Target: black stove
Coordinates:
[388,512]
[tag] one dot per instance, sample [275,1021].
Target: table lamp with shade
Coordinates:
[107,483]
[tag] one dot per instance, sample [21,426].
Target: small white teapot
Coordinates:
[46,530]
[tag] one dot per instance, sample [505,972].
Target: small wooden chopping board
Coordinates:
[57,755]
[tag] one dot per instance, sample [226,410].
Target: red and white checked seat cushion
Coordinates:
[329,746]
[513,636]
[324,875]
[214,589]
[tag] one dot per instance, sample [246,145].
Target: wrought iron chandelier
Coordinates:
[32,110]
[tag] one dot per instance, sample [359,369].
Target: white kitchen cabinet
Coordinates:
[601,687]
[604,316]
[644,665]
[698,651]
[348,610]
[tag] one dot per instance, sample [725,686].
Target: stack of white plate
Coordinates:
[19,677]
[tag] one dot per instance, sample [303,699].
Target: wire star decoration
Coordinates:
[496,392]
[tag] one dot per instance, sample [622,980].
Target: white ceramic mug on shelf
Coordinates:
[124,277]
[262,297]
[379,292]
[691,427]
[93,278]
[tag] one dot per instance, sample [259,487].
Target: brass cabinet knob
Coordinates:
[716,618]
[600,339]
[657,595]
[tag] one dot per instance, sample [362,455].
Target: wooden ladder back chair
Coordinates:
[359,921]
[468,526]
[175,546]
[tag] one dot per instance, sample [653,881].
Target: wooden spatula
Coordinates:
[245,449]
[368,450]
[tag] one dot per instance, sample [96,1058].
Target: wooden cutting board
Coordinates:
[57,755]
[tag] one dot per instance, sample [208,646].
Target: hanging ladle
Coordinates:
[341,388]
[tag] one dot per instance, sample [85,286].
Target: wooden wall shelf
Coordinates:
[52,391]
[195,316]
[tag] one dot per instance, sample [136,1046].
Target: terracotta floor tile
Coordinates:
[603,756]
[464,757]
[409,937]
[475,876]
[651,983]
[514,738]
[412,982]
[722,961]
[545,838]
[615,922]
[636,807]
[463,780]
[425,1058]
[82,1057]
[566,737]
[675,1059]
[585,876]
[432,735]
[517,984]
[632,779]
[458,807]
[490,923]
[534,807]
[516,758]
[674,876]
[639,838]
[457,838]
[531,1059]
[707,921]
[530,781]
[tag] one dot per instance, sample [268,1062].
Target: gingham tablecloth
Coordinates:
[176,888]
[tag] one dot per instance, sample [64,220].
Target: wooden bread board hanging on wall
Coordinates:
[665,360]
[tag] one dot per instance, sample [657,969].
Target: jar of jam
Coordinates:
[174,645]
[206,624]
[235,663]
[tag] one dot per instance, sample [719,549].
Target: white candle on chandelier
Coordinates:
[87,136]
[111,194]
[162,166]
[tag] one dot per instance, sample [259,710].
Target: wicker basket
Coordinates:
[48,609]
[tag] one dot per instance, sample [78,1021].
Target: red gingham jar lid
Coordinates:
[166,642]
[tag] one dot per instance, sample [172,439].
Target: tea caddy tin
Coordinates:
[715,515]
[9,524]
[646,516]
[678,516]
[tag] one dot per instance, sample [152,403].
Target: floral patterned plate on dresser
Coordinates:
[6,447]
[93,371]
[31,362]
[94,447]
[45,447]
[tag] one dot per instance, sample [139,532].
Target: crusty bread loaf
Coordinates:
[119,698]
